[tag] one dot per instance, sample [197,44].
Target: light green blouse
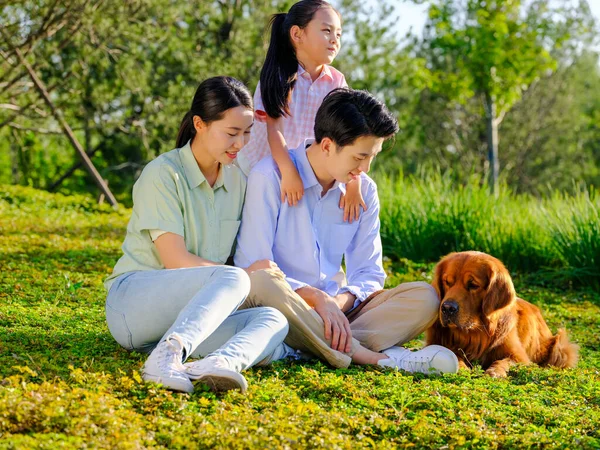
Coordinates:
[173,195]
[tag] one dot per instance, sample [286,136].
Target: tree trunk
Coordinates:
[66,129]
[14,160]
[492,142]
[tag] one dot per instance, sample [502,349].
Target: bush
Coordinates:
[423,219]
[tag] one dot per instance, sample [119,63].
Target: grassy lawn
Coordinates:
[64,383]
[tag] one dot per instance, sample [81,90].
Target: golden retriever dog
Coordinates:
[482,319]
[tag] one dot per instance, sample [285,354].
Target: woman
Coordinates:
[170,294]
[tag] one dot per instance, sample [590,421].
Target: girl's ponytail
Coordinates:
[279,73]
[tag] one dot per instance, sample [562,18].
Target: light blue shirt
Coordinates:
[308,241]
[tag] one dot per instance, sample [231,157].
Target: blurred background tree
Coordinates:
[123,74]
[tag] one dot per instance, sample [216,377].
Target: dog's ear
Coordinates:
[500,291]
[438,273]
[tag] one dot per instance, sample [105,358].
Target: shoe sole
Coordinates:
[149,378]
[222,380]
[221,384]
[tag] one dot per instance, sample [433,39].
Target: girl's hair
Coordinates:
[346,114]
[278,74]
[213,97]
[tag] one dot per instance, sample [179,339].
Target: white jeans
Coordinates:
[199,305]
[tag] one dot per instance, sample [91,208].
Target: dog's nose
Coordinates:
[449,308]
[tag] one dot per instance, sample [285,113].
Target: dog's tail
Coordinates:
[561,352]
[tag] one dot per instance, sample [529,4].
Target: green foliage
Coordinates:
[422,219]
[575,235]
[123,74]
[65,383]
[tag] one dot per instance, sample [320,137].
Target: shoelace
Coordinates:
[423,365]
[197,367]
[169,357]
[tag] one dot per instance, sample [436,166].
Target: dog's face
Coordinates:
[472,286]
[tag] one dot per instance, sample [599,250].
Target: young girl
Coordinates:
[170,294]
[294,80]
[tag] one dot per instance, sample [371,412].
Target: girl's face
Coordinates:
[224,138]
[320,40]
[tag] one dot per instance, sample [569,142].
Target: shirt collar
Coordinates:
[326,72]
[194,175]
[307,174]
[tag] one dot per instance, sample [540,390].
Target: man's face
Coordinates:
[345,164]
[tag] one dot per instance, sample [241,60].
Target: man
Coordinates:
[337,318]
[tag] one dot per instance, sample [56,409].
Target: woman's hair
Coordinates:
[278,74]
[213,97]
[346,114]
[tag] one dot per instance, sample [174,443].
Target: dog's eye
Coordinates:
[472,286]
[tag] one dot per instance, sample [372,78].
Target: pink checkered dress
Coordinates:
[307,96]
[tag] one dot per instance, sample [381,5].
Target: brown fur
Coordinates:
[492,325]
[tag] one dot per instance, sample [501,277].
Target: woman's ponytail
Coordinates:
[186,130]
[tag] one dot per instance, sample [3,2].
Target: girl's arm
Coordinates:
[174,255]
[291,183]
[352,201]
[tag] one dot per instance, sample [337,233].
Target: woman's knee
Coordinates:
[276,319]
[237,277]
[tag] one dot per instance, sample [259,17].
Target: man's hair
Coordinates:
[346,114]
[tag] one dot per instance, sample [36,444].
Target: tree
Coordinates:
[20,36]
[487,49]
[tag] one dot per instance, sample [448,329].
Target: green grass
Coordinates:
[64,383]
[558,239]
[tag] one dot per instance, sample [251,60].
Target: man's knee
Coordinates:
[267,288]
[429,300]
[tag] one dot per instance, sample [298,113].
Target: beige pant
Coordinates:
[391,318]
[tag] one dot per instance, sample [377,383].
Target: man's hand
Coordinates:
[337,327]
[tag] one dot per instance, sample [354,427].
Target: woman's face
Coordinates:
[224,138]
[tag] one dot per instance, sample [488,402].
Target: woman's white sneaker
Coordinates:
[433,359]
[215,372]
[164,366]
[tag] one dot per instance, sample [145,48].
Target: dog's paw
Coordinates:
[462,365]
[496,372]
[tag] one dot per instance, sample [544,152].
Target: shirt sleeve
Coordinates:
[155,234]
[343,83]
[156,200]
[259,220]
[258,144]
[363,257]
[295,284]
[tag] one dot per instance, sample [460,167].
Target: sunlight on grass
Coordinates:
[64,383]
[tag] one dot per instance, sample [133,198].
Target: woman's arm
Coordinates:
[174,255]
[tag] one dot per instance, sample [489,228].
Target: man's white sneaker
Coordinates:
[164,366]
[433,359]
[215,372]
